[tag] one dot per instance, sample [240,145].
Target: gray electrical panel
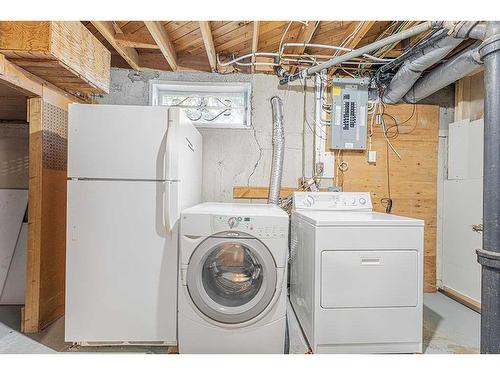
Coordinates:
[349,115]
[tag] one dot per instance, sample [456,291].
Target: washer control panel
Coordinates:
[332,201]
[258,227]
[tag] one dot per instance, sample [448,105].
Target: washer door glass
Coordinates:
[232,274]
[231,280]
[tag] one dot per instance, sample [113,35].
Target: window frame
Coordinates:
[157,86]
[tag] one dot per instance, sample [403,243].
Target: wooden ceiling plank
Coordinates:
[108,32]
[358,37]
[365,27]
[305,35]
[178,29]
[208,40]
[162,39]
[138,40]
[255,42]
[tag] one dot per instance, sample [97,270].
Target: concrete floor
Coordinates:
[449,327]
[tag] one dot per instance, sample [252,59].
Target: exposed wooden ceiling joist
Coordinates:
[108,31]
[387,50]
[363,30]
[358,36]
[208,41]
[255,42]
[305,36]
[162,39]
[193,41]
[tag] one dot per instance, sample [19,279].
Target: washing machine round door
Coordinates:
[231,277]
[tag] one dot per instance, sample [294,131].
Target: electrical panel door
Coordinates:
[349,113]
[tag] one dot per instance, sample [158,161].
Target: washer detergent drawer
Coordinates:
[373,278]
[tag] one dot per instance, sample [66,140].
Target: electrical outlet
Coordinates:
[372,157]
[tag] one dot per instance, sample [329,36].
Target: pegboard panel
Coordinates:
[55,137]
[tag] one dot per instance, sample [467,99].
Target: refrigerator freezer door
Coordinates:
[120,142]
[121,280]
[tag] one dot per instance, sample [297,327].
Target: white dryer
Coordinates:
[356,275]
[232,289]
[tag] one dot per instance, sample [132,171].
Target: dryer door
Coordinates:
[231,277]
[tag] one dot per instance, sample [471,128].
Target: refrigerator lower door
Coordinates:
[121,265]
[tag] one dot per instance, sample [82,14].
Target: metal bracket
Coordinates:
[477,228]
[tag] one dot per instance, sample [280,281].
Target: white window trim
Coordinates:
[156,86]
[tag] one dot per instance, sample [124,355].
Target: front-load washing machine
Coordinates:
[356,279]
[232,282]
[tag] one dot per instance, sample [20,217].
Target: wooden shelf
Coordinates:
[65,54]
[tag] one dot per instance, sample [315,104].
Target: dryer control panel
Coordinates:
[255,226]
[332,201]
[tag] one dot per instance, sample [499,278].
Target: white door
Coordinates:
[121,282]
[463,209]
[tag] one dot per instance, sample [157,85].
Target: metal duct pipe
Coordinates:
[413,68]
[415,30]
[278,151]
[445,74]
[489,255]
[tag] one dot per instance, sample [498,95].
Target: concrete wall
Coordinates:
[234,157]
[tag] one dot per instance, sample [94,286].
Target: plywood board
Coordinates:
[15,285]
[413,179]
[12,209]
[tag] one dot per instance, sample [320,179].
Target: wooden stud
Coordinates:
[162,39]
[107,30]
[208,41]
[32,294]
[255,42]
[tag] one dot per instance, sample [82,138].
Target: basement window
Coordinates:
[207,104]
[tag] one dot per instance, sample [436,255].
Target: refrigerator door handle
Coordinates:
[172,145]
[171,209]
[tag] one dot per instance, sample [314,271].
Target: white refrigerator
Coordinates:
[131,170]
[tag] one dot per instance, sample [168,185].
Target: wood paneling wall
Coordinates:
[413,179]
[469,97]
[46,214]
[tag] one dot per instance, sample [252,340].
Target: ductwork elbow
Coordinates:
[413,68]
[278,151]
[445,74]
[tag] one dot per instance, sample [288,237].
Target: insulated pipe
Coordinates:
[412,69]
[445,74]
[489,255]
[278,151]
[360,51]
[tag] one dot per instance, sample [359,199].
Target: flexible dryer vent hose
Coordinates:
[278,151]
